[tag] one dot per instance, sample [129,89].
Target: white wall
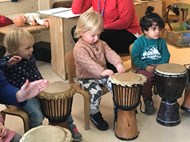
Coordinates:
[22,6]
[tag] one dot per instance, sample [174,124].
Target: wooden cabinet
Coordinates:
[139,10]
[157,4]
[61,42]
[140,7]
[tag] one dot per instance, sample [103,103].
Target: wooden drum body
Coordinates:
[126,93]
[170,81]
[47,134]
[56,101]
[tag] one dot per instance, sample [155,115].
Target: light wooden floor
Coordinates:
[149,129]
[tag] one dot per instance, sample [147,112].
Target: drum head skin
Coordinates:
[128,78]
[171,69]
[57,90]
[58,86]
[56,101]
[47,134]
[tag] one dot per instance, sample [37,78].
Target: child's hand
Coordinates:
[149,68]
[3,131]
[13,60]
[120,68]
[107,72]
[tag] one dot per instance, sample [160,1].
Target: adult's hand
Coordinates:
[31,89]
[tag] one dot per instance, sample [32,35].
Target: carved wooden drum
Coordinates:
[126,93]
[56,101]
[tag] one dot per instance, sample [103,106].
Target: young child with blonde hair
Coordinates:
[90,55]
[19,65]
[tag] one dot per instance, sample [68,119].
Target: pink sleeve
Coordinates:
[111,56]
[126,14]
[80,6]
[83,57]
[10,134]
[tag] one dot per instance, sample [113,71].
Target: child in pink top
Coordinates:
[121,25]
[90,55]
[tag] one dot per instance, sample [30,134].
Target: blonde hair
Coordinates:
[89,21]
[14,38]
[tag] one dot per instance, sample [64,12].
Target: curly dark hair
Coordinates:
[150,18]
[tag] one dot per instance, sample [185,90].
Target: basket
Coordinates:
[178,38]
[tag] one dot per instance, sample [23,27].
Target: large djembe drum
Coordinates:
[47,134]
[56,101]
[126,93]
[170,81]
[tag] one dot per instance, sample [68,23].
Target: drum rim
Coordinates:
[170,73]
[68,135]
[58,95]
[141,80]
[64,85]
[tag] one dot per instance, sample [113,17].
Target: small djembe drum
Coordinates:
[126,93]
[170,81]
[56,101]
[47,134]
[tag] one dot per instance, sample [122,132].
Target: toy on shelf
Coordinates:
[178,31]
[31,19]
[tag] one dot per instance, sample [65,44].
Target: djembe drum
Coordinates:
[170,81]
[47,134]
[126,93]
[186,101]
[56,101]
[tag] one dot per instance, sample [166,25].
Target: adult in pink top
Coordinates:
[120,21]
